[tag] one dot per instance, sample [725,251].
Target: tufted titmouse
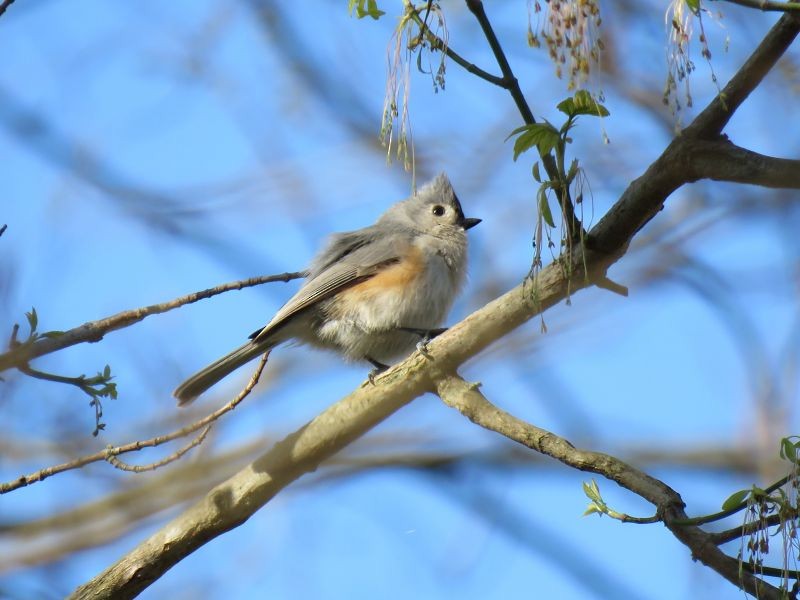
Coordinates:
[369,294]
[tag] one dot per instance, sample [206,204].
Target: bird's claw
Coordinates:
[422,348]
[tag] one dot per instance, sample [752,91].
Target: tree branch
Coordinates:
[768,5]
[721,160]
[710,123]
[4,6]
[740,531]
[466,399]
[511,82]
[93,331]
[111,452]
[573,225]
[437,43]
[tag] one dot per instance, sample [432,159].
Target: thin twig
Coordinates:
[623,518]
[138,445]
[731,511]
[768,5]
[770,571]
[93,331]
[438,44]
[575,231]
[123,466]
[511,82]
[740,531]
[85,384]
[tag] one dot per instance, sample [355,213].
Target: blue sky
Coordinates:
[155,149]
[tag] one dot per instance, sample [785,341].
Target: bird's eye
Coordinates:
[438,210]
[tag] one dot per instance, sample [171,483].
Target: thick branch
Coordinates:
[93,331]
[715,116]
[723,161]
[231,503]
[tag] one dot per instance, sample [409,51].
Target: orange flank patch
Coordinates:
[397,275]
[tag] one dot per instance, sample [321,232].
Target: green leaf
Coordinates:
[371,9]
[694,5]
[542,135]
[592,509]
[735,499]
[515,132]
[536,175]
[592,491]
[573,170]
[789,449]
[582,103]
[33,319]
[544,210]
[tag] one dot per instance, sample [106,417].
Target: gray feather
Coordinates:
[355,262]
[216,371]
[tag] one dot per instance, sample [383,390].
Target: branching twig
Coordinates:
[508,82]
[93,331]
[467,399]
[97,387]
[114,451]
[740,531]
[511,82]
[123,466]
[718,516]
[574,227]
[438,44]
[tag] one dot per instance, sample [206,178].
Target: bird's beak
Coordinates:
[470,223]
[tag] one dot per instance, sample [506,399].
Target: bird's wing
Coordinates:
[348,259]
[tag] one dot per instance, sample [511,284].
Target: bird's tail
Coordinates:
[205,378]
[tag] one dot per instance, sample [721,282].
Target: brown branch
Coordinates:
[710,123]
[437,43]
[740,531]
[93,331]
[575,231]
[113,451]
[466,399]
[511,82]
[721,160]
[123,466]
[768,5]
[3,7]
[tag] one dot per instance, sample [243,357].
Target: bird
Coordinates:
[372,294]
